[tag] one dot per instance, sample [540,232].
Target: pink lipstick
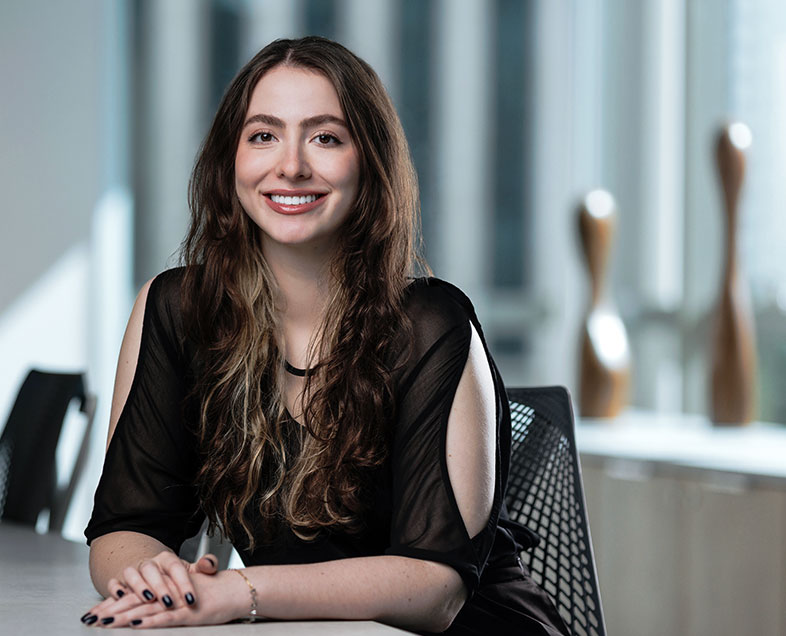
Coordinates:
[293,201]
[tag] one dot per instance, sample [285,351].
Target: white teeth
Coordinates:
[278,198]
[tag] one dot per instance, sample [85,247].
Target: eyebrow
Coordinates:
[308,122]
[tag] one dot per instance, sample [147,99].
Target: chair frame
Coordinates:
[39,409]
[543,451]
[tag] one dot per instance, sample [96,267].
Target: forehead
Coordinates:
[292,93]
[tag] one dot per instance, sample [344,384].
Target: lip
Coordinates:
[280,208]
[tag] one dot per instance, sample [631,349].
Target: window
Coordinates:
[743,44]
[515,109]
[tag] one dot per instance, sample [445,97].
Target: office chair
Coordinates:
[545,493]
[28,471]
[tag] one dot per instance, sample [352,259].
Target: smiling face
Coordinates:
[296,167]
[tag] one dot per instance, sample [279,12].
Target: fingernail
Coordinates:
[190,598]
[213,563]
[91,619]
[85,617]
[136,621]
[167,601]
[107,620]
[120,593]
[148,595]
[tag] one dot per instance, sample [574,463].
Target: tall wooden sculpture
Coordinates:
[605,353]
[733,347]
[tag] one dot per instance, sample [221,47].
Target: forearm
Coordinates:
[397,590]
[111,553]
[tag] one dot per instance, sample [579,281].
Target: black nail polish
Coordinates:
[120,594]
[107,620]
[85,617]
[148,595]
[190,598]
[91,619]
[136,621]
[167,601]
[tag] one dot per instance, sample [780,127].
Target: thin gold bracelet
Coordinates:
[252,613]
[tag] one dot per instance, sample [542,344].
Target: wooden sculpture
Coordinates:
[733,345]
[605,353]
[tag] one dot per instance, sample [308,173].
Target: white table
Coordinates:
[687,444]
[45,588]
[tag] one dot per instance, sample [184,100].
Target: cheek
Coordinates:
[347,172]
[243,170]
[245,184]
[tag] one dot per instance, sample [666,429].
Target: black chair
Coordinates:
[545,493]
[202,543]
[28,471]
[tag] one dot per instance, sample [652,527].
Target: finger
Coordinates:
[98,610]
[138,584]
[208,564]
[148,584]
[182,616]
[179,579]
[128,616]
[117,589]
[110,608]
[155,576]
[177,573]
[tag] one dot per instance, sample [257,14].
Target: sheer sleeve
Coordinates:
[149,468]
[426,521]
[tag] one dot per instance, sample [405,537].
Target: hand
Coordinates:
[223,597]
[165,578]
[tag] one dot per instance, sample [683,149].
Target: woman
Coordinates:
[340,422]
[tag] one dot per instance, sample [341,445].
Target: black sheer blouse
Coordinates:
[150,465]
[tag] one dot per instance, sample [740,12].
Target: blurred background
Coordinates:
[514,110]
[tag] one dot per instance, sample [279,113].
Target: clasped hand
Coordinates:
[167,591]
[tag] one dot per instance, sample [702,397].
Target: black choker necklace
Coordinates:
[301,373]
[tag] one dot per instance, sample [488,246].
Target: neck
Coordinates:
[302,276]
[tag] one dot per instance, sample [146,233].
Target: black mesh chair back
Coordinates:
[28,471]
[545,493]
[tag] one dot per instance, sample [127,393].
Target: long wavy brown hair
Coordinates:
[228,299]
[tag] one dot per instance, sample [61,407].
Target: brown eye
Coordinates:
[327,140]
[261,137]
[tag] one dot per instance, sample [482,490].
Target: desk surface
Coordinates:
[45,587]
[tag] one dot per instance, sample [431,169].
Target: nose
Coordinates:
[293,163]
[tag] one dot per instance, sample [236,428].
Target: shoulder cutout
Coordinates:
[471,439]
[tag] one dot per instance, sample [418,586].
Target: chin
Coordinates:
[298,239]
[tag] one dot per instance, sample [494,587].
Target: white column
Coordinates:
[369,28]
[173,123]
[564,102]
[584,57]
[268,20]
[661,203]
[462,133]
[662,153]
[622,64]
